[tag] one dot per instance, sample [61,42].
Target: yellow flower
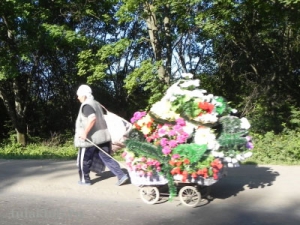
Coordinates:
[146,130]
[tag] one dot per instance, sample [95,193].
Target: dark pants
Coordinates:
[109,162]
[85,159]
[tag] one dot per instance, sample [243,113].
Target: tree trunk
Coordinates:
[14,97]
[156,42]
[21,138]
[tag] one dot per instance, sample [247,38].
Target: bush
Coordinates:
[38,150]
[269,148]
[283,148]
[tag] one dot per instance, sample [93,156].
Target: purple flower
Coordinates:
[249,145]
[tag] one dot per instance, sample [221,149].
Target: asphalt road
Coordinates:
[45,192]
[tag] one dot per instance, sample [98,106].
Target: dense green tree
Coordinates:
[38,53]
[257,53]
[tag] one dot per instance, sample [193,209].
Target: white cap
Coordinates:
[84,90]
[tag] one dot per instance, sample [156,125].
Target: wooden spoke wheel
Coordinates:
[149,195]
[189,196]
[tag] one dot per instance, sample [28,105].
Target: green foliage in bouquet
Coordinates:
[158,120]
[192,151]
[137,135]
[223,107]
[186,107]
[205,161]
[148,150]
[232,137]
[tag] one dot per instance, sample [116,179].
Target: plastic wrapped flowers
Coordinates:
[187,136]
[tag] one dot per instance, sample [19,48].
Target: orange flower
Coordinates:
[179,163]
[172,162]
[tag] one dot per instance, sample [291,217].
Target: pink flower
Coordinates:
[175,156]
[124,154]
[248,138]
[173,143]
[156,163]
[158,169]
[137,116]
[143,159]
[177,128]
[138,166]
[166,150]
[180,121]
[164,142]
[144,167]
[172,133]
[141,173]
[181,139]
[161,132]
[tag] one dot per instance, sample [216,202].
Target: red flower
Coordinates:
[184,175]
[206,106]
[137,126]
[194,175]
[186,161]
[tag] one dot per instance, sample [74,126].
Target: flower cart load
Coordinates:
[188,136]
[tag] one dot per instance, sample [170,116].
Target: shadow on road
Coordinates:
[246,176]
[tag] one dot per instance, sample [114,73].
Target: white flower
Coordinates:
[207,118]
[233,111]
[170,92]
[221,154]
[247,154]
[178,177]
[217,154]
[162,109]
[233,165]
[197,94]
[239,157]
[189,128]
[227,159]
[187,75]
[234,160]
[245,123]
[205,136]
[186,84]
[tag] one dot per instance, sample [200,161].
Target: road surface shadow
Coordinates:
[245,176]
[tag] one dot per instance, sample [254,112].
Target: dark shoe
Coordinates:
[122,180]
[84,183]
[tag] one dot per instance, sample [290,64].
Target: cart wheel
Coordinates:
[189,196]
[149,195]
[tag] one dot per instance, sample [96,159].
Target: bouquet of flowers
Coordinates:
[187,136]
